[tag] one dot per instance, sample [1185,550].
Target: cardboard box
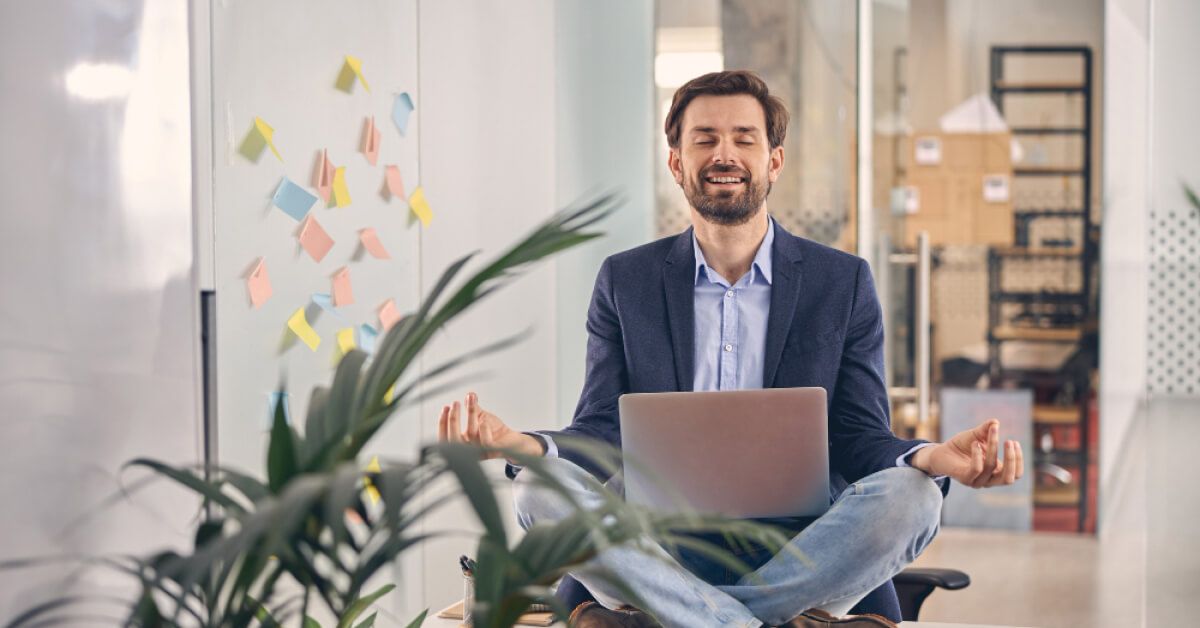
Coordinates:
[949,176]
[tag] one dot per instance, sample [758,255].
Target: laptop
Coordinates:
[745,454]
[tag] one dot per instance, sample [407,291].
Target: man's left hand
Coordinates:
[972,457]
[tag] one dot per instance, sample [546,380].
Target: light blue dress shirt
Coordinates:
[731,328]
[731,322]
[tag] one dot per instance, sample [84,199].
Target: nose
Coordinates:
[723,154]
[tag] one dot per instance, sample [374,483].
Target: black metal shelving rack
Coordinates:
[1062,317]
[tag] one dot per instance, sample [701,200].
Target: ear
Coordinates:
[776,164]
[675,163]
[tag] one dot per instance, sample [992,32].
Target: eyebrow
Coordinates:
[736,129]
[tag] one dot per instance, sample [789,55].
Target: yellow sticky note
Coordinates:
[351,70]
[261,136]
[372,492]
[299,326]
[345,340]
[420,207]
[341,193]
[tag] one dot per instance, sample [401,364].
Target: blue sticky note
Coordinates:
[326,303]
[401,111]
[273,401]
[294,200]
[366,338]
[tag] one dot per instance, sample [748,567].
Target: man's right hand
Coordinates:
[484,429]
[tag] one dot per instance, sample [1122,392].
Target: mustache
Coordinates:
[724,170]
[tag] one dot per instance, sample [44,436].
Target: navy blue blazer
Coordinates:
[824,329]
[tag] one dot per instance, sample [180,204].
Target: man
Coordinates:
[738,302]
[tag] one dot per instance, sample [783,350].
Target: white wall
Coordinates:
[98,325]
[503,150]
[606,125]
[488,161]
[1123,247]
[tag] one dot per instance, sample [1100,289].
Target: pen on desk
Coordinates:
[468,565]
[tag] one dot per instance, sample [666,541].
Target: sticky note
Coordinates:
[401,110]
[370,241]
[259,284]
[299,326]
[388,315]
[341,193]
[420,206]
[390,394]
[370,143]
[314,239]
[372,467]
[324,178]
[342,294]
[345,340]
[325,301]
[294,200]
[261,136]
[395,185]
[367,337]
[273,401]
[351,71]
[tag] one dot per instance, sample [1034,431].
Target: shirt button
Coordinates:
[729,347]
[729,294]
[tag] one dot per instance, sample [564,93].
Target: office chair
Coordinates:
[898,600]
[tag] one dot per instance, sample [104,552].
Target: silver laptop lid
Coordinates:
[740,453]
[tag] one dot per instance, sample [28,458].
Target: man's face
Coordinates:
[724,162]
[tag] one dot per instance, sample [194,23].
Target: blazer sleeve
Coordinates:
[605,380]
[860,434]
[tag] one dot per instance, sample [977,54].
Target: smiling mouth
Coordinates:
[724,181]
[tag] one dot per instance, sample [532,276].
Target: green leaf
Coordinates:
[418,620]
[368,622]
[1191,196]
[309,622]
[206,489]
[361,604]
[281,453]
[463,462]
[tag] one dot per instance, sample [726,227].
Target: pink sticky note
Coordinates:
[388,314]
[395,184]
[341,288]
[371,139]
[324,178]
[370,241]
[259,284]
[314,239]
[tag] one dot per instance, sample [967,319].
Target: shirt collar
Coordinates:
[762,259]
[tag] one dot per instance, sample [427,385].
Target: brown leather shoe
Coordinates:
[817,618]
[593,615]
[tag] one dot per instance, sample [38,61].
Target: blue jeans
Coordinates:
[875,528]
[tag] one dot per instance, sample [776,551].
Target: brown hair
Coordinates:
[728,83]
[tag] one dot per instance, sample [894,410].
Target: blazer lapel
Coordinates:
[679,284]
[785,293]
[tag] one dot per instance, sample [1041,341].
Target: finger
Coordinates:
[1019,463]
[976,465]
[444,425]
[455,426]
[472,417]
[996,478]
[983,430]
[1011,463]
[993,447]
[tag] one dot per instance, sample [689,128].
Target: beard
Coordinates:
[726,207]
